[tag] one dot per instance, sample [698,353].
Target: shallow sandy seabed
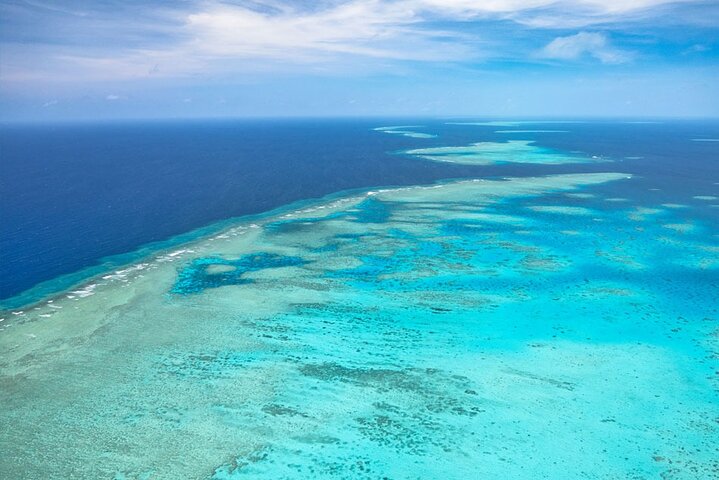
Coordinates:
[579,195]
[403,131]
[562,210]
[447,331]
[514,123]
[489,153]
[531,131]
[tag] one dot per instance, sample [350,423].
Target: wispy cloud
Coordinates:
[367,28]
[394,29]
[554,14]
[584,44]
[212,37]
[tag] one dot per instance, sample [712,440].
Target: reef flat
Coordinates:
[520,123]
[513,328]
[404,131]
[531,131]
[490,153]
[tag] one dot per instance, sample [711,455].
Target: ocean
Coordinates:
[80,197]
[374,298]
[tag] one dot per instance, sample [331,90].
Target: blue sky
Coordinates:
[129,59]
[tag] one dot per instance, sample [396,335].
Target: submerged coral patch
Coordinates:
[203,365]
[372,210]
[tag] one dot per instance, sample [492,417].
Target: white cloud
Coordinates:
[394,29]
[583,44]
[367,28]
[546,13]
[112,97]
[211,37]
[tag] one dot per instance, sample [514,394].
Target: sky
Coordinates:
[119,59]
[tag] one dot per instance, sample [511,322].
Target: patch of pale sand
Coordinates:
[708,198]
[214,269]
[562,210]
[418,135]
[674,205]
[492,218]
[680,227]
[403,130]
[441,206]
[410,134]
[579,195]
[639,214]
[395,127]
[648,211]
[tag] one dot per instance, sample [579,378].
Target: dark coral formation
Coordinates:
[197,276]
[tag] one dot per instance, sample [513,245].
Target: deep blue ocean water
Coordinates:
[73,194]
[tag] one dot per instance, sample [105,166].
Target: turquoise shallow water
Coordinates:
[538,327]
[488,153]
